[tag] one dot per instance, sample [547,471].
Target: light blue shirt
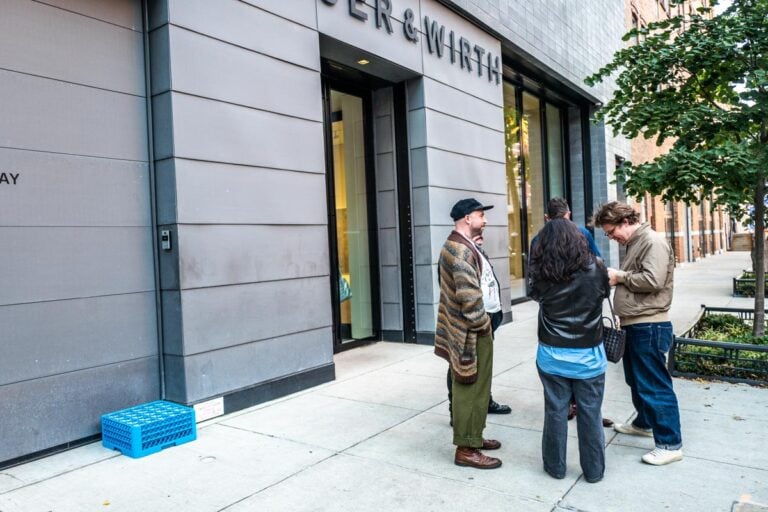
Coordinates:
[572,363]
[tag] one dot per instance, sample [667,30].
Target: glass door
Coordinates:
[515,205]
[352,218]
[536,171]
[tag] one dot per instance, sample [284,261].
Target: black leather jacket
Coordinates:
[570,313]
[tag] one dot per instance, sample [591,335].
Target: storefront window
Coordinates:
[555,151]
[535,173]
[514,193]
[533,164]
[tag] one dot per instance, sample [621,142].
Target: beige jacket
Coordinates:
[644,292]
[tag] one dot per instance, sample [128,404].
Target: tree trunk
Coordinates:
[759,325]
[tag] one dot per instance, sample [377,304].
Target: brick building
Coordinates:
[694,231]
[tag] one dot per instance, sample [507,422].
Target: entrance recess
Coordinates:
[352,217]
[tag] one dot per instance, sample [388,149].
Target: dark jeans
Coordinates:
[589,424]
[645,371]
[495,323]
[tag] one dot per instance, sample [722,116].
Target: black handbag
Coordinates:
[615,340]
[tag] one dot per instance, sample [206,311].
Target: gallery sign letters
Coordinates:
[9,178]
[459,49]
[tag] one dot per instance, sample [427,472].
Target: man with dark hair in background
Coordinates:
[557,208]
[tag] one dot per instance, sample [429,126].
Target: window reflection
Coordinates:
[514,193]
[529,184]
[533,164]
[350,198]
[555,152]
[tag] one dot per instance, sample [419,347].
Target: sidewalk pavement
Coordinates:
[378,439]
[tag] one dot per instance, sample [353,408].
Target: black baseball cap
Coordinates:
[467,206]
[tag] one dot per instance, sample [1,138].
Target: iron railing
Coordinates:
[718,360]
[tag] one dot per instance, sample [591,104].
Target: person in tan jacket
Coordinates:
[642,299]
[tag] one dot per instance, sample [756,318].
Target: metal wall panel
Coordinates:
[55,263]
[241,184]
[456,137]
[58,190]
[77,334]
[442,168]
[60,117]
[210,130]
[236,194]
[287,33]
[37,39]
[450,100]
[388,212]
[43,413]
[76,228]
[389,250]
[218,255]
[123,14]
[237,367]
[214,69]
[299,11]
[223,316]
[465,137]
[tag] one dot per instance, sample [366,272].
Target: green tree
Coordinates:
[701,81]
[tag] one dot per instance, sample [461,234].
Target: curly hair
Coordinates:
[615,213]
[560,251]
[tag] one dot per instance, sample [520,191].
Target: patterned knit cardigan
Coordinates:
[461,316]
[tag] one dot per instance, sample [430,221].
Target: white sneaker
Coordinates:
[660,456]
[631,429]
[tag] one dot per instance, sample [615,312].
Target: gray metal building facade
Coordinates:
[165,223]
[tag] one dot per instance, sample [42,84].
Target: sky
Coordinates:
[721,6]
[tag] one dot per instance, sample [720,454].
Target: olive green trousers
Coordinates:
[470,401]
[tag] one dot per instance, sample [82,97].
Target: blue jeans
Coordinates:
[645,371]
[589,424]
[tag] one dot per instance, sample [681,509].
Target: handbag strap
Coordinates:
[610,305]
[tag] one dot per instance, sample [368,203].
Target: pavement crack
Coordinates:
[278,482]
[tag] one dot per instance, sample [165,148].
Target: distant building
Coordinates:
[693,231]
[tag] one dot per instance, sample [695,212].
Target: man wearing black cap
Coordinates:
[489,283]
[463,335]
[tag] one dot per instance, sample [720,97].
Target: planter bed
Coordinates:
[744,285]
[731,361]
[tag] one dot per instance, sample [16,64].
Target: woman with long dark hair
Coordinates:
[570,283]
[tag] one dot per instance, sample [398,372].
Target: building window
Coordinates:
[533,164]
[517,248]
[555,151]
[536,171]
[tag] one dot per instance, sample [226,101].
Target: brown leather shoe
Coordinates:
[607,423]
[473,458]
[491,444]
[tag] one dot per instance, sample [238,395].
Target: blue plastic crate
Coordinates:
[148,428]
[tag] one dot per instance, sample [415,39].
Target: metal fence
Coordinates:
[744,285]
[718,360]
